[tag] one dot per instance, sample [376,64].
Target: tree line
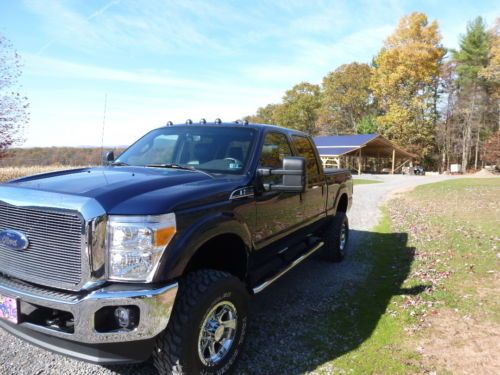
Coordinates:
[45,156]
[440,104]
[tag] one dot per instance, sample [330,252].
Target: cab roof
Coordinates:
[256,126]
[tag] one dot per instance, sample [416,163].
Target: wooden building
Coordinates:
[369,153]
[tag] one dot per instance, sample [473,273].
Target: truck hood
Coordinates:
[125,190]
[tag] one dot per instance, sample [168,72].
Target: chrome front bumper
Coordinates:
[155,306]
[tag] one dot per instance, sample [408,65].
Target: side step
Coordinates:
[265,284]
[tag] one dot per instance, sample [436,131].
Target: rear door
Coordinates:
[314,198]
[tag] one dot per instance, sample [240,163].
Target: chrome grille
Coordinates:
[54,254]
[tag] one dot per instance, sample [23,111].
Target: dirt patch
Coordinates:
[485,173]
[461,345]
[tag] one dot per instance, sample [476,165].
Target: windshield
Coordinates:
[213,149]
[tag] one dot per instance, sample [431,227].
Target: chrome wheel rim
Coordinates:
[343,236]
[217,334]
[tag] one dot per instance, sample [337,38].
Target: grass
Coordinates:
[434,251]
[363,324]
[361,181]
[457,225]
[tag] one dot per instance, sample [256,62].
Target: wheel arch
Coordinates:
[219,242]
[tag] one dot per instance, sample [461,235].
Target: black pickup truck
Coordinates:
[156,253]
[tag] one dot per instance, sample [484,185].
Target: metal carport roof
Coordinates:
[372,145]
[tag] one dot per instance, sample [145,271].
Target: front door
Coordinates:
[278,213]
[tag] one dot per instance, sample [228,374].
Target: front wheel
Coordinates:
[336,237]
[207,327]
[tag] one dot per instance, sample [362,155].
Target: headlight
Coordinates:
[135,245]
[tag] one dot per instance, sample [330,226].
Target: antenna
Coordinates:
[104,123]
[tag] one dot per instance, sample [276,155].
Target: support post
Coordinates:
[393,160]
[359,162]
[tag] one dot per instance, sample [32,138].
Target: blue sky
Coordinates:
[173,60]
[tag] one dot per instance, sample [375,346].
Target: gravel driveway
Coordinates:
[281,314]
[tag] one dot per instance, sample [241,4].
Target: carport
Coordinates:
[364,152]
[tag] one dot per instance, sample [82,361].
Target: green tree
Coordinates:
[347,99]
[471,58]
[367,125]
[405,83]
[300,107]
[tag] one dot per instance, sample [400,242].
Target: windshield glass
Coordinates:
[213,149]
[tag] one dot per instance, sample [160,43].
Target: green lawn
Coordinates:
[433,263]
[361,181]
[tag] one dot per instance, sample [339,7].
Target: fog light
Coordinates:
[126,317]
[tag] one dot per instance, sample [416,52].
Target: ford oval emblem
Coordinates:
[12,239]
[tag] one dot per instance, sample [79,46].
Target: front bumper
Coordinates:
[154,303]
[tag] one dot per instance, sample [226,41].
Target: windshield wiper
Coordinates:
[170,165]
[119,164]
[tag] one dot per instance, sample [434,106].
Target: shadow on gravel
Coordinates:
[320,310]
[337,307]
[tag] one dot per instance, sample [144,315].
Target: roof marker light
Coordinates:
[218,121]
[169,123]
[189,121]
[203,121]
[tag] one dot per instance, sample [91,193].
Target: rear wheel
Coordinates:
[207,328]
[336,237]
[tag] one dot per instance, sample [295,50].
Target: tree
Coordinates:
[347,99]
[264,115]
[471,58]
[13,106]
[491,73]
[491,150]
[299,109]
[367,125]
[405,83]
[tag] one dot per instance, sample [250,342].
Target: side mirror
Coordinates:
[108,158]
[293,172]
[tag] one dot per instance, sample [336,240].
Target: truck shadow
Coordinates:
[320,310]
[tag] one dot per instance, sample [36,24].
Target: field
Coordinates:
[8,173]
[430,302]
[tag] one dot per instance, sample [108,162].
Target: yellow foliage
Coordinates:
[492,72]
[405,79]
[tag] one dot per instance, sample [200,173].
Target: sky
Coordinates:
[161,60]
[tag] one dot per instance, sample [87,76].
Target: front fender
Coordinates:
[188,241]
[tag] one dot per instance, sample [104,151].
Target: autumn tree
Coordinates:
[347,99]
[300,107]
[13,106]
[264,115]
[405,83]
[491,73]
[491,150]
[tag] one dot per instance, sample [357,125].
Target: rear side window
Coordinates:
[306,150]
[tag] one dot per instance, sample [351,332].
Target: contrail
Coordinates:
[98,12]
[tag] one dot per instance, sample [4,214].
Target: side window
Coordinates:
[274,149]
[306,150]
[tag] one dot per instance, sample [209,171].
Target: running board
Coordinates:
[297,261]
